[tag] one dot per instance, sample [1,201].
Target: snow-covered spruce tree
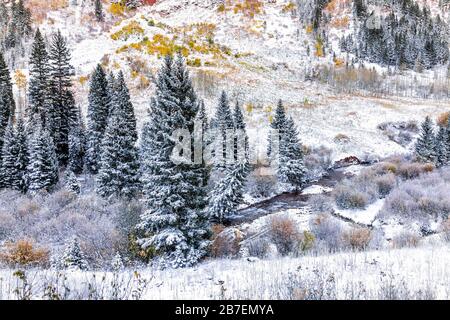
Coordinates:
[117,263]
[447,143]
[441,150]
[8,174]
[241,148]
[98,10]
[62,111]
[97,116]
[19,25]
[221,124]
[175,224]
[425,145]
[290,166]
[39,82]
[276,125]
[203,136]
[23,157]
[227,194]
[118,174]
[121,100]
[72,183]
[43,164]
[77,145]
[7,104]
[73,258]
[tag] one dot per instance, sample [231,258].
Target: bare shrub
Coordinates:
[261,186]
[385,184]
[258,248]
[320,203]
[226,243]
[413,170]
[347,197]
[284,234]
[327,231]
[27,207]
[317,161]
[445,229]
[7,224]
[24,253]
[358,238]
[406,239]
[420,198]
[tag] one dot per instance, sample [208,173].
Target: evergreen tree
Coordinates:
[175,223]
[43,165]
[22,157]
[291,168]
[19,26]
[203,136]
[98,111]
[121,101]
[117,263]
[241,140]
[447,143]
[276,125]
[222,125]
[119,165]
[228,193]
[99,11]
[425,145]
[441,150]
[73,258]
[62,113]
[7,104]
[72,183]
[39,82]
[8,174]
[77,146]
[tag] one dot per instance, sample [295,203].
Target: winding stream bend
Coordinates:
[287,200]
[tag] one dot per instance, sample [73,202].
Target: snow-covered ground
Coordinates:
[363,216]
[395,274]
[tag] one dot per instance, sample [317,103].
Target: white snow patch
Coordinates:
[365,216]
[316,189]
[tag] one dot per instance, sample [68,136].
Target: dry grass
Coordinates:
[24,253]
[39,8]
[442,119]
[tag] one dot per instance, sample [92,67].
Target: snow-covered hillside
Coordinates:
[257,56]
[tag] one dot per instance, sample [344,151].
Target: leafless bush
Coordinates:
[317,161]
[385,184]
[406,239]
[348,197]
[320,203]
[284,234]
[225,243]
[445,228]
[51,219]
[258,247]
[328,232]
[261,186]
[358,238]
[420,199]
